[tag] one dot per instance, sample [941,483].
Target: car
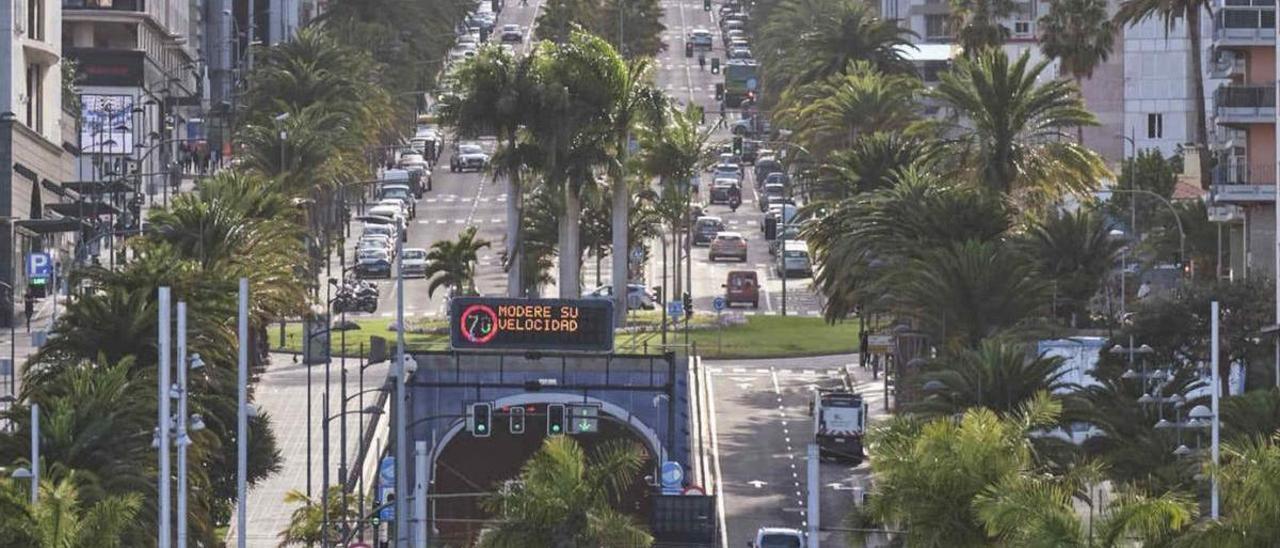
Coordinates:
[512,33]
[744,126]
[399,192]
[705,229]
[373,262]
[722,190]
[735,34]
[468,156]
[396,203]
[701,38]
[776,178]
[728,244]
[788,232]
[733,23]
[750,151]
[778,537]
[391,213]
[413,159]
[740,53]
[727,171]
[742,286]
[728,157]
[792,258]
[374,243]
[638,296]
[769,191]
[413,262]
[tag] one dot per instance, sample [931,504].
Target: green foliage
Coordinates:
[1010,133]
[998,375]
[1075,253]
[306,523]
[1150,172]
[833,113]
[1079,34]
[452,263]
[1249,480]
[633,28]
[565,497]
[978,25]
[60,518]
[872,163]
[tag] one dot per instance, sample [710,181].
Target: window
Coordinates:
[35,98]
[937,26]
[35,19]
[1022,28]
[1155,126]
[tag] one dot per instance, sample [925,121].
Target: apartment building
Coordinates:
[37,142]
[1243,110]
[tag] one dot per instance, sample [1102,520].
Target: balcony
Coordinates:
[1239,182]
[1244,26]
[114,5]
[1242,105]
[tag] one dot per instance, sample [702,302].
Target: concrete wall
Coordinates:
[1103,94]
[1261,240]
[1260,68]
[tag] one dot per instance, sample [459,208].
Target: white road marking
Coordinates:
[715,459]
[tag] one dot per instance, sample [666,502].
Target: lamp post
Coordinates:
[194,424]
[342,462]
[242,416]
[1182,233]
[162,428]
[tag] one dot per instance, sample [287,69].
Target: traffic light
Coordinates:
[516,419]
[555,419]
[481,417]
[715,65]
[658,294]
[702,114]
[737,144]
[706,5]
[720,91]
[688,306]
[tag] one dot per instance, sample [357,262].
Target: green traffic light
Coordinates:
[480,427]
[555,428]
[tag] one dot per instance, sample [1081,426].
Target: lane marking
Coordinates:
[715,459]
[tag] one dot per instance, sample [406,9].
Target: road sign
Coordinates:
[718,303]
[880,344]
[387,488]
[583,419]
[559,325]
[39,265]
[637,254]
[752,83]
[675,309]
[672,475]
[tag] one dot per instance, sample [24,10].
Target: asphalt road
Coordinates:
[762,428]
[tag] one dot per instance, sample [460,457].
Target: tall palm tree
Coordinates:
[1170,12]
[833,113]
[1249,480]
[870,164]
[1009,133]
[978,24]
[805,41]
[1075,252]
[61,519]
[996,375]
[566,497]
[1080,35]
[497,92]
[635,101]
[452,263]
[672,151]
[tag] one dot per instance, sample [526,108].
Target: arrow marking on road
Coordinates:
[757,484]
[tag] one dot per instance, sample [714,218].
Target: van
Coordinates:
[742,287]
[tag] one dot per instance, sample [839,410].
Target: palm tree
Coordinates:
[635,100]
[1038,511]
[1075,252]
[306,523]
[1080,36]
[835,34]
[1247,479]
[977,24]
[1132,12]
[565,497]
[60,519]
[833,113]
[1254,414]
[930,473]
[996,375]
[559,19]
[672,152]
[452,263]
[966,292]
[870,164]
[498,92]
[1007,132]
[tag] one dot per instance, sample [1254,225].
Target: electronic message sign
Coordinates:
[548,325]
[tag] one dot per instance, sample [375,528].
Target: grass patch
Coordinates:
[760,337]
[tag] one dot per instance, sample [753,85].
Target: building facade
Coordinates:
[37,143]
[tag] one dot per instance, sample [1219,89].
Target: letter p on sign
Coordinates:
[39,265]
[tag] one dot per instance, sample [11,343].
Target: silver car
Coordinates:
[413,263]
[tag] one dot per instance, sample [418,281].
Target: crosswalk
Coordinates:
[829,373]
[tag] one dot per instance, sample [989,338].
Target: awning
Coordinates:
[51,226]
[83,209]
[98,187]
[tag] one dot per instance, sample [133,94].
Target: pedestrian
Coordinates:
[702,62]
[29,308]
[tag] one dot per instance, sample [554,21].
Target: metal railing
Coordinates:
[1245,96]
[1242,172]
[117,5]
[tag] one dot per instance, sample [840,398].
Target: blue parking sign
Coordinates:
[675,309]
[39,265]
[718,303]
[387,488]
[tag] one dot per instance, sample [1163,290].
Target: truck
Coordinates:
[741,78]
[839,422]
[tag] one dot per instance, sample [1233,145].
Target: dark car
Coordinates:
[765,166]
[723,190]
[705,229]
[373,263]
[749,149]
[776,178]
[771,191]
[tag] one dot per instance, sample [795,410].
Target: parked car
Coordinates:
[728,244]
[740,53]
[727,171]
[769,191]
[701,38]
[638,296]
[742,287]
[400,192]
[778,537]
[373,262]
[793,258]
[750,149]
[413,262]
[706,228]
[722,190]
[468,156]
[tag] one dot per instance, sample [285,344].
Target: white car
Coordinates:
[701,38]
[413,262]
[414,160]
[638,296]
[778,537]
[512,33]
[396,203]
[468,156]
[727,171]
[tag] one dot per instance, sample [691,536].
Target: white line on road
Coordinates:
[715,459]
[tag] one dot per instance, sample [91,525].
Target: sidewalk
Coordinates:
[21,345]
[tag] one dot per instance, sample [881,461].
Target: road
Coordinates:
[762,427]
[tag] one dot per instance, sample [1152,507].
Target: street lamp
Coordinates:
[1182,233]
[342,459]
